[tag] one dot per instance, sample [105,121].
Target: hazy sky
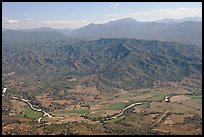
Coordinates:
[77,14]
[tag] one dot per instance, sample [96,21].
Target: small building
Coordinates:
[166,99]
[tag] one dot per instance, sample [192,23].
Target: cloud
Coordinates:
[9,21]
[62,22]
[55,22]
[182,8]
[114,6]
[33,23]
[159,14]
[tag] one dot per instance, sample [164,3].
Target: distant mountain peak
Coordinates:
[172,20]
[123,20]
[127,19]
[91,24]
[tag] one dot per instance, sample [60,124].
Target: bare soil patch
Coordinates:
[105,113]
[91,90]
[179,118]
[183,129]
[179,98]
[172,107]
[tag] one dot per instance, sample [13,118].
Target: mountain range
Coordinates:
[111,62]
[186,31]
[124,53]
[171,20]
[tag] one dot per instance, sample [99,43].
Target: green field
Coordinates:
[32,114]
[94,116]
[78,111]
[115,119]
[115,106]
[159,96]
[124,96]
[197,99]
[144,105]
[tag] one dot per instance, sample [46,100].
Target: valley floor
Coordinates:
[174,109]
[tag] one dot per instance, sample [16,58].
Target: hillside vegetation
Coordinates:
[122,63]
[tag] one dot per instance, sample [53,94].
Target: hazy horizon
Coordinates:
[95,23]
[74,15]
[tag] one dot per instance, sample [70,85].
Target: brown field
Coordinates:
[17,104]
[138,109]
[172,107]
[148,119]
[62,101]
[179,118]
[97,101]
[179,98]
[65,118]
[45,101]
[193,105]
[91,90]
[183,129]
[120,100]
[178,90]
[18,107]
[157,107]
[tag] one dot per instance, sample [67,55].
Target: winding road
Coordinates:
[131,105]
[47,114]
[31,106]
